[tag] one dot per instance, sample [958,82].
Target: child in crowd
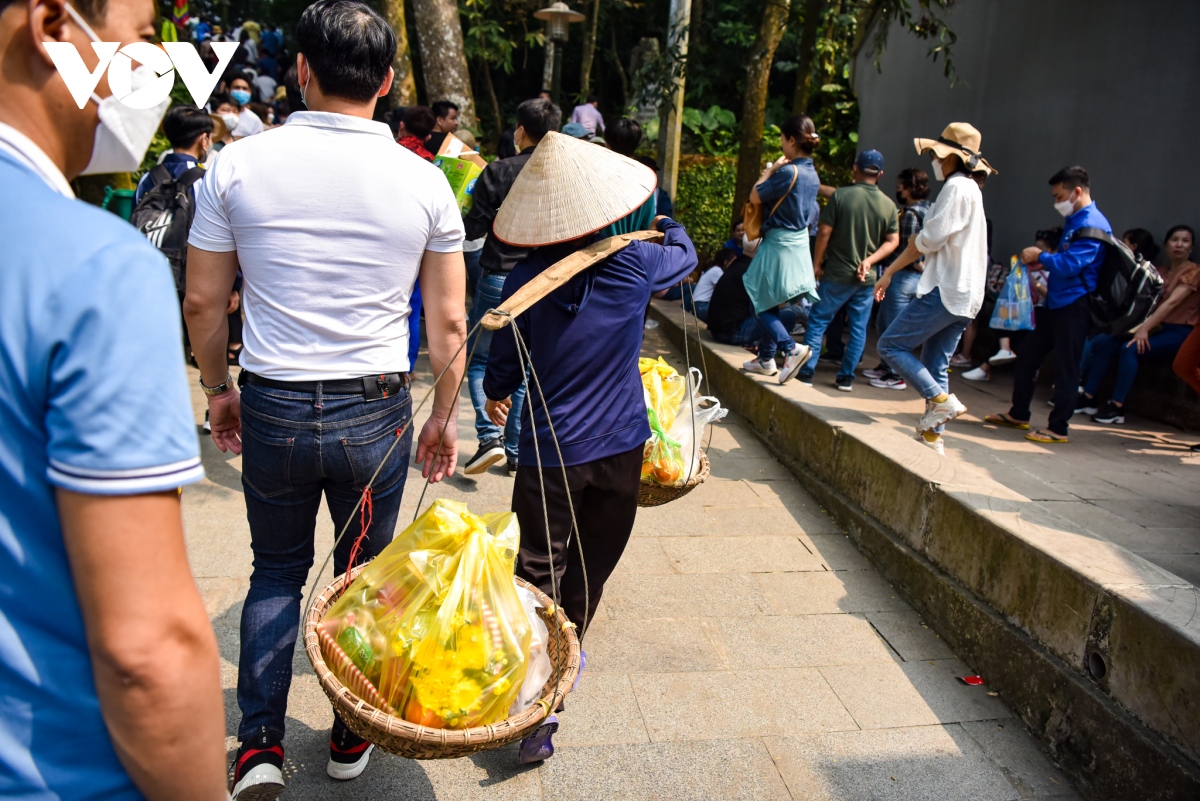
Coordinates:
[698,299]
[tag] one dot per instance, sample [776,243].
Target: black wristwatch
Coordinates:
[219,389]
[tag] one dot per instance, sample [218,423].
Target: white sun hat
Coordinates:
[568,189]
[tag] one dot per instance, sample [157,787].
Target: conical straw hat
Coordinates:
[570,188]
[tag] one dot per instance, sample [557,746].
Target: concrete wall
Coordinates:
[1111,85]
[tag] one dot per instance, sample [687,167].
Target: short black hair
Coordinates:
[624,136]
[349,48]
[724,257]
[915,181]
[1070,178]
[218,99]
[441,109]
[183,125]
[419,121]
[538,117]
[1050,235]
[1143,242]
[649,161]
[592,99]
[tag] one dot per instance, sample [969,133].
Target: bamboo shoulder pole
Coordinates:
[558,274]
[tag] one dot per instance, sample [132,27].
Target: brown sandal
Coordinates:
[1006,420]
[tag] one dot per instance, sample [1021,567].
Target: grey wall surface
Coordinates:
[1113,86]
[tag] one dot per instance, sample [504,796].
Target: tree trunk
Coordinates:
[589,51]
[758,72]
[626,100]
[404,86]
[443,60]
[808,52]
[486,71]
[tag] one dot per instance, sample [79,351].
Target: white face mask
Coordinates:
[937,169]
[230,120]
[124,134]
[1064,207]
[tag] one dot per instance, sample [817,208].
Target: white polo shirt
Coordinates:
[330,219]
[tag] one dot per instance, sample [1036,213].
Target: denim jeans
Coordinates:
[297,447]
[900,293]
[474,271]
[1106,347]
[858,300]
[700,309]
[923,322]
[774,334]
[752,330]
[487,296]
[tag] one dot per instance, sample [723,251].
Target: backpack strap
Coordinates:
[1092,232]
[190,177]
[791,186]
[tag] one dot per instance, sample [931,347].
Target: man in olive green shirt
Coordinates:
[859,228]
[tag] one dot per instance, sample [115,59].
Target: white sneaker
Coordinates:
[878,372]
[938,413]
[793,362]
[1003,356]
[978,374]
[207,427]
[889,382]
[938,444]
[760,368]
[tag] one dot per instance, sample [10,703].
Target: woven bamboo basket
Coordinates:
[650,494]
[369,716]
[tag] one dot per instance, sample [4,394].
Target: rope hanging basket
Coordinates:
[369,716]
[650,494]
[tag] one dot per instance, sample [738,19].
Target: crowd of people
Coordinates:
[812,277]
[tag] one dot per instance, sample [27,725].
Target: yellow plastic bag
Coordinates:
[435,622]
[665,389]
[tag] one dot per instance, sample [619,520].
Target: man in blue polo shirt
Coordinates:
[1062,326]
[109,672]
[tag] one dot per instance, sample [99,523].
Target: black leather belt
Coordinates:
[371,387]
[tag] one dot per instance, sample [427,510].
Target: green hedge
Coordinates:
[704,200]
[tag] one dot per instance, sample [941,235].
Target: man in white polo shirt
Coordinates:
[332,224]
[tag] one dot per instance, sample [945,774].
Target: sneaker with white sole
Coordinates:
[793,362]
[978,374]
[960,360]
[804,378]
[1109,414]
[1085,404]
[348,753]
[760,368]
[882,371]
[1003,356]
[844,382]
[937,414]
[258,770]
[490,452]
[938,445]
[889,382]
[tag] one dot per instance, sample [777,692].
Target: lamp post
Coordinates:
[557,16]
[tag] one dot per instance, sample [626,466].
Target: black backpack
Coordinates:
[164,216]
[1127,286]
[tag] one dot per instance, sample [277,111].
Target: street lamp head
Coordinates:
[558,16]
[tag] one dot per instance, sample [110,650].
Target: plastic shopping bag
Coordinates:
[664,388]
[539,670]
[1014,306]
[435,622]
[696,413]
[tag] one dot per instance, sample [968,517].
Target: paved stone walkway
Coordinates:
[1133,484]
[744,650]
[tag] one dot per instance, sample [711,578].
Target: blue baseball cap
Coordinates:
[576,130]
[870,161]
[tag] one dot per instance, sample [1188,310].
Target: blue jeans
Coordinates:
[923,322]
[487,296]
[858,300]
[752,330]
[774,333]
[700,309]
[1106,348]
[900,293]
[295,447]
[474,271]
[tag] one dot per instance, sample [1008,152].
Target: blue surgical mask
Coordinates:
[241,96]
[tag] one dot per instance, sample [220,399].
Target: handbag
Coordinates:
[752,219]
[1014,306]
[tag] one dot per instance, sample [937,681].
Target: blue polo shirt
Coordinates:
[1072,272]
[93,399]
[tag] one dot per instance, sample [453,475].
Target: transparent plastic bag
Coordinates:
[664,388]
[539,668]
[435,622]
[1014,306]
[696,413]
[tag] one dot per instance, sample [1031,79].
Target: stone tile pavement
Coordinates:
[744,650]
[1133,484]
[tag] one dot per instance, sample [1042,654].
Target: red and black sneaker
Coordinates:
[258,771]
[348,753]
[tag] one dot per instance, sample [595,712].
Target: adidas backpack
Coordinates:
[164,216]
[1127,286]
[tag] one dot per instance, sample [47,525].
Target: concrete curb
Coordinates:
[1094,647]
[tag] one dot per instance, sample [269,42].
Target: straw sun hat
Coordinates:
[570,188]
[959,139]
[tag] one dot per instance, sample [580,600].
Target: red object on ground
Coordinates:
[974,681]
